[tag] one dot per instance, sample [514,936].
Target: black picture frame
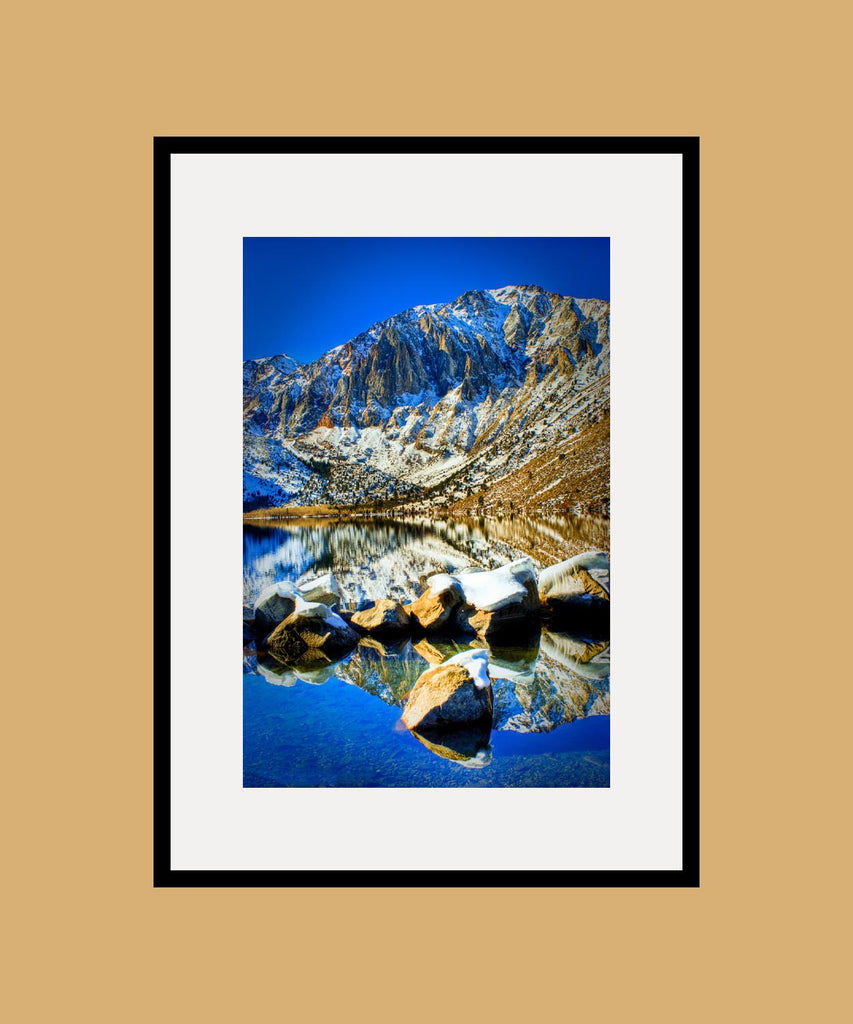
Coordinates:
[688,875]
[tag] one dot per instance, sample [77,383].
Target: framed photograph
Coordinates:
[419,401]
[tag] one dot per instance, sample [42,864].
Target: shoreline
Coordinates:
[344,515]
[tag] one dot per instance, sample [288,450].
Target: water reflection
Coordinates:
[468,745]
[374,559]
[542,683]
[536,688]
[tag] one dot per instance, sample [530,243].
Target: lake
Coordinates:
[339,724]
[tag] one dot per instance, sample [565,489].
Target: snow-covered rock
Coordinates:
[249,627]
[586,573]
[311,628]
[494,589]
[277,601]
[451,694]
[273,605]
[489,601]
[500,601]
[324,589]
[477,664]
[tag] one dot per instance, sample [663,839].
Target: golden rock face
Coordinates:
[433,611]
[386,616]
[447,696]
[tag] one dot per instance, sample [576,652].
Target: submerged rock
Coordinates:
[384,618]
[456,692]
[311,626]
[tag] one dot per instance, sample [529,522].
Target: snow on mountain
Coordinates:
[430,405]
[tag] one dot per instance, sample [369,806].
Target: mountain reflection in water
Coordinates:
[337,724]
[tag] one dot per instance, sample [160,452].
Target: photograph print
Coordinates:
[426,512]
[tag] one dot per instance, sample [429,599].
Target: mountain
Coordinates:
[451,404]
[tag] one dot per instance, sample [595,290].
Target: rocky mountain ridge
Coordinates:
[436,405]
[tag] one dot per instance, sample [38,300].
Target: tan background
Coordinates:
[87,86]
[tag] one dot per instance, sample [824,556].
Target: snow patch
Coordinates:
[441,583]
[477,664]
[315,610]
[493,589]
[284,589]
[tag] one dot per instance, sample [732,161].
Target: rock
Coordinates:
[586,573]
[278,601]
[384,618]
[248,624]
[504,601]
[492,589]
[490,602]
[324,589]
[433,610]
[458,692]
[274,605]
[314,627]
[575,594]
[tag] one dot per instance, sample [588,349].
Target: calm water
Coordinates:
[339,724]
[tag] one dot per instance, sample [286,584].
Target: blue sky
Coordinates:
[303,296]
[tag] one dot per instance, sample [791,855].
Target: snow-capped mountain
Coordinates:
[433,404]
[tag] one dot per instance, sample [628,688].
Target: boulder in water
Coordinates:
[586,573]
[249,627]
[575,594]
[433,610]
[457,692]
[500,602]
[311,627]
[273,606]
[384,618]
